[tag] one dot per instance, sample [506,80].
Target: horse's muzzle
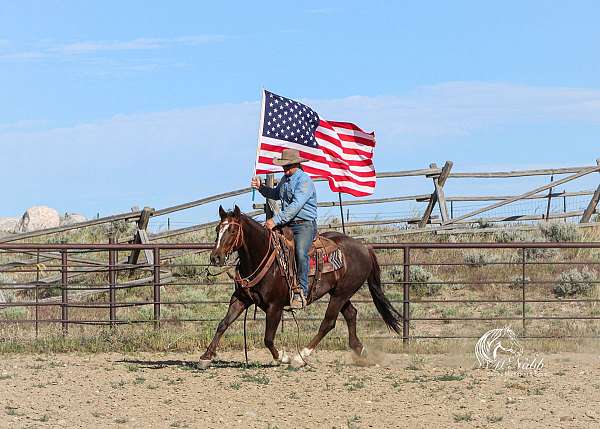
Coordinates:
[217,260]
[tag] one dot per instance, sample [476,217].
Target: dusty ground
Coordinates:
[166,390]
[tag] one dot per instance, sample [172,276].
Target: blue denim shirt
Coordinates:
[297,195]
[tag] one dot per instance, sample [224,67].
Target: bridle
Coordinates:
[264,265]
[238,242]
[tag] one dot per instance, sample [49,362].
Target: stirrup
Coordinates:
[298,302]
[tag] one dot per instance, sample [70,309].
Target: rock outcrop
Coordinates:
[72,218]
[8,224]
[38,217]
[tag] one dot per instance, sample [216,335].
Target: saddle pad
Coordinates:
[332,262]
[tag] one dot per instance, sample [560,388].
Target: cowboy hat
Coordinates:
[289,156]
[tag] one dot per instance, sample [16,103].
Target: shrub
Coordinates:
[480,258]
[423,282]
[483,223]
[516,282]
[539,253]
[557,232]
[512,235]
[575,282]
[189,266]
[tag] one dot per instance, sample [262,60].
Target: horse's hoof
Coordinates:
[364,352]
[204,363]
[297,361]
[285,358]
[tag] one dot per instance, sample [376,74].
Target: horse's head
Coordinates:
[230,236]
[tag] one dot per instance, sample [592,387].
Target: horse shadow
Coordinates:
[191,365]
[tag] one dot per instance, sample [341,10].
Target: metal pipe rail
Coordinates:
[68,303]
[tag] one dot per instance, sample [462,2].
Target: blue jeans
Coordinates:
[304,235]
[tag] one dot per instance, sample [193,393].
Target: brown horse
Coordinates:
[251,240]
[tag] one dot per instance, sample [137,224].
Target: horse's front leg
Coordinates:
[236,307]
[273,317]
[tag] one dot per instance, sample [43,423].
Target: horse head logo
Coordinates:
[497,347]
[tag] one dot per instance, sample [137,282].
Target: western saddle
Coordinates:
[325,256]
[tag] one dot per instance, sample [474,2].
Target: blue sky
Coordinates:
[111,104]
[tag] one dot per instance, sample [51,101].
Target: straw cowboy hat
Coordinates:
[289,156]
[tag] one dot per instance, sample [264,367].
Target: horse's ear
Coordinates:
[236,211]
[222,212]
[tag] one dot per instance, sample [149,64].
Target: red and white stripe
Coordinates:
[344,157]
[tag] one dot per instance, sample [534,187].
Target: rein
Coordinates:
[257,275]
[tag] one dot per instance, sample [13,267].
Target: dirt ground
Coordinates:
[167,390]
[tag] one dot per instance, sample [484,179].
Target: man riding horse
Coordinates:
[298,197]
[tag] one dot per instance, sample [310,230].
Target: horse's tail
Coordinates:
[390,316]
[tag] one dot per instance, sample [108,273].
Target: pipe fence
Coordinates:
[442,290]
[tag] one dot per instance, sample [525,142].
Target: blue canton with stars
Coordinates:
[289,120]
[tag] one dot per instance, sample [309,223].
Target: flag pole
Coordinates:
[260,128]
[342,213]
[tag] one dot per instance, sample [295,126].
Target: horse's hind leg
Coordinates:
[328,323]
[236,307]
[349,312]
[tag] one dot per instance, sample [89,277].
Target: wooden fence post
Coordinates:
[141,237]
[270,205]
[549,200]
[438,195]
[591,208]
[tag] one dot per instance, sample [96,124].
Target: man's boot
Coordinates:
[298,301]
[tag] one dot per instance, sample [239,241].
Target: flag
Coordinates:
[339,151]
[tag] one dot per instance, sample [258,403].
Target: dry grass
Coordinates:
[190,326]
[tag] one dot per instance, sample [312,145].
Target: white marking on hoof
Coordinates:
[363,352]
[306,352]
[204,363]
[299,360]
[285,357]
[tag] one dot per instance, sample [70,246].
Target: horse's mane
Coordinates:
[250,220]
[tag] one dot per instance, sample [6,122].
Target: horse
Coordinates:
[252,241]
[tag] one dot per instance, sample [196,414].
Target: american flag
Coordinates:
[339,151]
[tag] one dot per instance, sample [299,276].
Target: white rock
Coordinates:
[8,224]
[38,217]
[72,218]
